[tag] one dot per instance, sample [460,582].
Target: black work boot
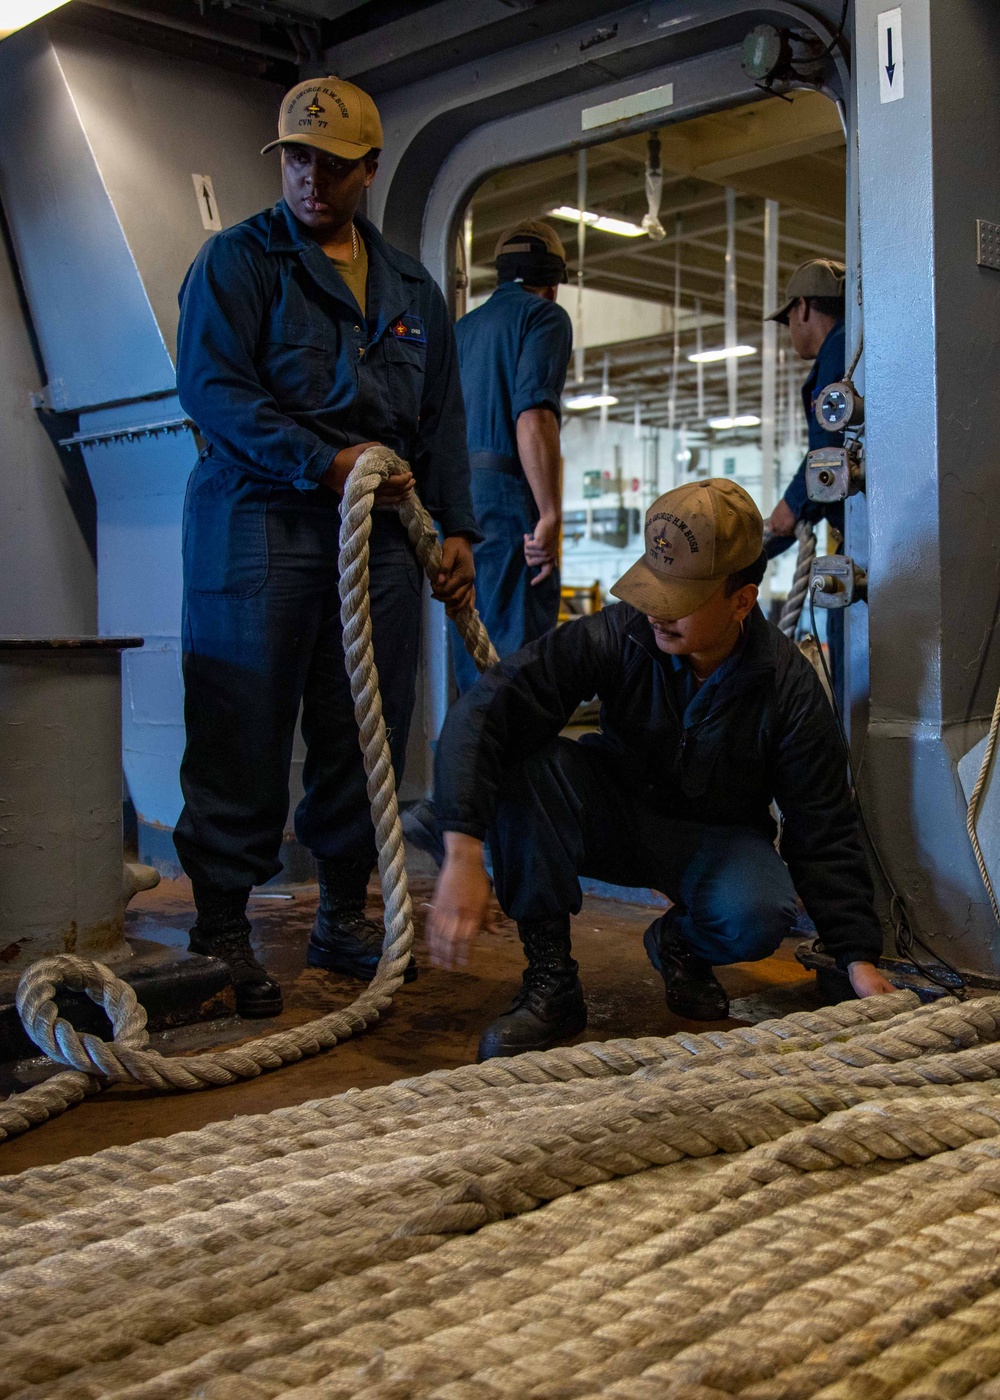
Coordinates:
[421,829]
[693,990]
[222,930]
[342,939]
[549,1007]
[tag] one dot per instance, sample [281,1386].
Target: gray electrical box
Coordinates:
[837,582]
[834,473]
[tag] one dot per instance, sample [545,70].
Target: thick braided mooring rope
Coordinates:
[807,1209]
[792,609]
[94,1062]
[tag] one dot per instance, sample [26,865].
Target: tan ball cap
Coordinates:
[819,277]
[696,536]
[330,114]
[519,239]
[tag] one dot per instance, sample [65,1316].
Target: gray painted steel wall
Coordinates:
[50,584]
[100,142]
[928,167]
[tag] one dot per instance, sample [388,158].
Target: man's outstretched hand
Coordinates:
[461,899]
[867,981]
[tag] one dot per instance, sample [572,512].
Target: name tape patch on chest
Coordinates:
[409,328]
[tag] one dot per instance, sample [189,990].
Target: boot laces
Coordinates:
[232,945]
[355,924]
[542,980]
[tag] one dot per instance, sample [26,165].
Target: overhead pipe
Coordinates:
[579,349]
[769,345]
[159,20]
[732,369]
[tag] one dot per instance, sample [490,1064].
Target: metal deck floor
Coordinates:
[434,1023]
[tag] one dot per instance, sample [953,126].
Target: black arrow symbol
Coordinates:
[890,67]
[208,200]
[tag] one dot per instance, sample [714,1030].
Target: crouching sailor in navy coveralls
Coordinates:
[708,714]
[304,338]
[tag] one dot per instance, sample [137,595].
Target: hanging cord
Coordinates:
[654,189]
[904,936]
[839,34]
[94,1062]
[972,812]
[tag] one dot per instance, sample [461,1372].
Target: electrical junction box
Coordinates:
[837,582]
[834,473]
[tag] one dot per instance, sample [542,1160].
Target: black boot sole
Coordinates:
[690,1010]
[330,961]
[566,1030]
[259,1009]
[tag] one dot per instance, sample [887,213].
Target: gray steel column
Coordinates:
[61,872]
[927,171]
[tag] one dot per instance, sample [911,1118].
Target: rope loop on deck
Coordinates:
[93,1062]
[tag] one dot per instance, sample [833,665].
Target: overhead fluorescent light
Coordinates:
[15,14]
[602,222]
[724,352]
[742,420]
[581,401]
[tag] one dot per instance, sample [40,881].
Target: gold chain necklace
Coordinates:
[354,244]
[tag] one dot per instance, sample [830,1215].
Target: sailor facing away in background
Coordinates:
[304,338]
[513,353]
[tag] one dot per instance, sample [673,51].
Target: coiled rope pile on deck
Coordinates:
[94,1062]
[809,1207]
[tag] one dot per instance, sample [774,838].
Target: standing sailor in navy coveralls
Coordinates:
[513,353]
[304,338]
[813,311]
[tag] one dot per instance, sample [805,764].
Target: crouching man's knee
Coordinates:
[744,929]
[758,927]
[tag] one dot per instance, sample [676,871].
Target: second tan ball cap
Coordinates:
[330,114]
[518,239]
[696,536]
[819,277]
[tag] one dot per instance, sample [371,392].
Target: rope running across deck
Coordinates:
[807,1208]
[95,1062]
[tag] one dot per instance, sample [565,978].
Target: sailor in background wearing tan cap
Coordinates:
[304,337]
[708,715]
[813,311]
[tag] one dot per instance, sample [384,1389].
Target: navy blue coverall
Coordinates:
[280,369]
[513,354]
[828,367]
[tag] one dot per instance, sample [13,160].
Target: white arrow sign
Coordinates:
[890,55]
[208,206]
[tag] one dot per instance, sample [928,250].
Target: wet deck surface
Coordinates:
[434,1023]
